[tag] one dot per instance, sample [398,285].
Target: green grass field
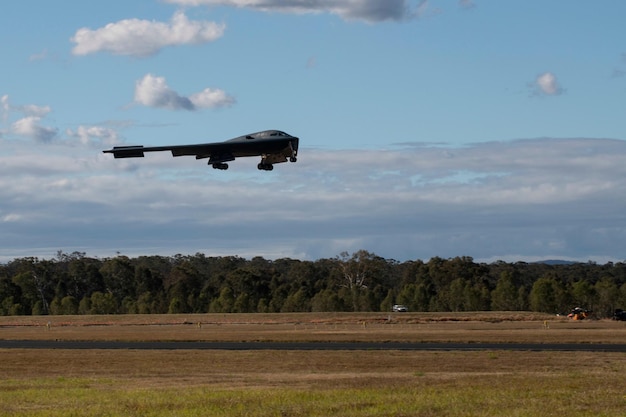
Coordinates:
[311,383]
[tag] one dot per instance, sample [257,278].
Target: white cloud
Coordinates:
[94,134]
[4,102]
[12,217]
[31,127]
[530,199]
[27,110]
[546,84]
[367,10]
[143,38]
[34,110]
[30,124]
[153,91]
[210,98]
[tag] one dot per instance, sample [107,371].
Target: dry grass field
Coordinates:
[502,327]
[313,383]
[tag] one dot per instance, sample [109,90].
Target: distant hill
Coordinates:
[556,262]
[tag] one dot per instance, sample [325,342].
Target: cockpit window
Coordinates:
[269,133]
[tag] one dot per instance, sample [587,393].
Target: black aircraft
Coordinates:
[273,146]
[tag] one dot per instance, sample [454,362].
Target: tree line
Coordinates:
[362,281]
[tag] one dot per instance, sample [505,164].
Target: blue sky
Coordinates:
[475,128]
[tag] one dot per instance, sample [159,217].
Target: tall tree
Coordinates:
[607,296]
[548,295]
[356,274]
[119,277]
[505,296]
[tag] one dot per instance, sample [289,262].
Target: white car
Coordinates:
[399,308]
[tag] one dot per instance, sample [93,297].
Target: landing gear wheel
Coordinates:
[293,159]
[265,167]
[220,165]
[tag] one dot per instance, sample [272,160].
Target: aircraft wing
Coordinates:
[273,146]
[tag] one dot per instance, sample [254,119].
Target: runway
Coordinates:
[119,345]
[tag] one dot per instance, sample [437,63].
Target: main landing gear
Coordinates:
[265,167]
[220,165]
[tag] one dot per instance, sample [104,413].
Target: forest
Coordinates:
[73,283]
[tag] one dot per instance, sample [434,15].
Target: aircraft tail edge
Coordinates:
[126,151]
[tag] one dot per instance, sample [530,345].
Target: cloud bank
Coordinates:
[142,38]
[516,200]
